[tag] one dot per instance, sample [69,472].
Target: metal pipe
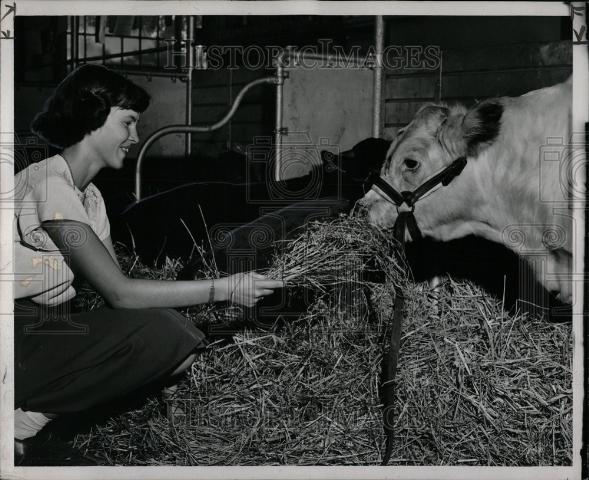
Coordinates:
[300,57]
[190,63]
[192,129]
[74,40]
[378,73]
[278,121]
[71,59]
[127,54]
[148,73]
[85,38]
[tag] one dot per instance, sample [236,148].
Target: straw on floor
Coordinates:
[476,385]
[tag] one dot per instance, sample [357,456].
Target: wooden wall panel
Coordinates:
[471,75]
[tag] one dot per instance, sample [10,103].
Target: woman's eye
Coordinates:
[411,164]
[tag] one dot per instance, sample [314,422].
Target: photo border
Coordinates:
[160,7]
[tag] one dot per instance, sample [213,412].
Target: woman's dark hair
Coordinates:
[81,103]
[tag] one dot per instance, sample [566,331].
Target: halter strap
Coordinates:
[410,197]
[406,220]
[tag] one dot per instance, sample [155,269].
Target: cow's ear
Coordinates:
[481,125]
[430,117]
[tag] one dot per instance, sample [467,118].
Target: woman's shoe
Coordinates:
[48,450]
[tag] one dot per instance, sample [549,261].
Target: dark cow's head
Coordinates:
[435,137]
[357,164]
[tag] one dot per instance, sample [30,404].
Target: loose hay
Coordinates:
[339,252]
[475,385]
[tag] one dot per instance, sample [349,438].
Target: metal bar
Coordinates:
[71,59]
[378,71]
[140,38]
[85,33]
[278,116]
[157,42]
[126,54]
[75,28]
[295,56]
[132,37]
[104,43]
[148,73]
[192,129]
[229,100]
[190,64]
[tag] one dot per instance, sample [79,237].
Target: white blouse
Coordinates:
[46,191]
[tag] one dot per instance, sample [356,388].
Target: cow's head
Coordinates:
[436,136]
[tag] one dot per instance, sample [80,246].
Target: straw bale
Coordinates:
[475,385]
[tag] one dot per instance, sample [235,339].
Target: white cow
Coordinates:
[513,190]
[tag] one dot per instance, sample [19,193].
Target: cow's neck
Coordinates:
[474,204]
[500,202]
[510,193]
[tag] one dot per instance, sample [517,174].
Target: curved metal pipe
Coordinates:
[192,129]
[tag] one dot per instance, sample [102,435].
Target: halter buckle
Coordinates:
[407,197]
[404,207]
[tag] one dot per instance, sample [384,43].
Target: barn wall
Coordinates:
[213,93]
[467,76]
[29,100]
[321,117]
[167,107]
[482,57]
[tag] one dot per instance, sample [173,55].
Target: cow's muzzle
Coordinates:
[406,218]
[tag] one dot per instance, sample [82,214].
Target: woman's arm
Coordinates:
[88,257]
[111,249]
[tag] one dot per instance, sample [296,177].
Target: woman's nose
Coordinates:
[133,137]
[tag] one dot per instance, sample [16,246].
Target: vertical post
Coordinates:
[190,66]
[140,40]
[278,123]
[378,70]
[7,197]
[74,42]
[85,39]
[579,198]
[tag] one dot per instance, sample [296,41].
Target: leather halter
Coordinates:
[406,219]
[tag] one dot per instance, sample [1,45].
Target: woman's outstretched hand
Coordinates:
[248,288]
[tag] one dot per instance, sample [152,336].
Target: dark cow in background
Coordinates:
[279,209]
[508,193]
[234,194]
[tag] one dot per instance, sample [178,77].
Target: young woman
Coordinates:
[68,362]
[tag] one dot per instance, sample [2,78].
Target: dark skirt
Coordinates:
[69,362]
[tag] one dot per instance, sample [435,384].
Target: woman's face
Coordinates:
[112,141]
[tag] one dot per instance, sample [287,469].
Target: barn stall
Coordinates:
[237,154]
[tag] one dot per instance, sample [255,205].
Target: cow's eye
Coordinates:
[411,164]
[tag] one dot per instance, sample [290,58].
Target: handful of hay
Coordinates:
[333,252]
